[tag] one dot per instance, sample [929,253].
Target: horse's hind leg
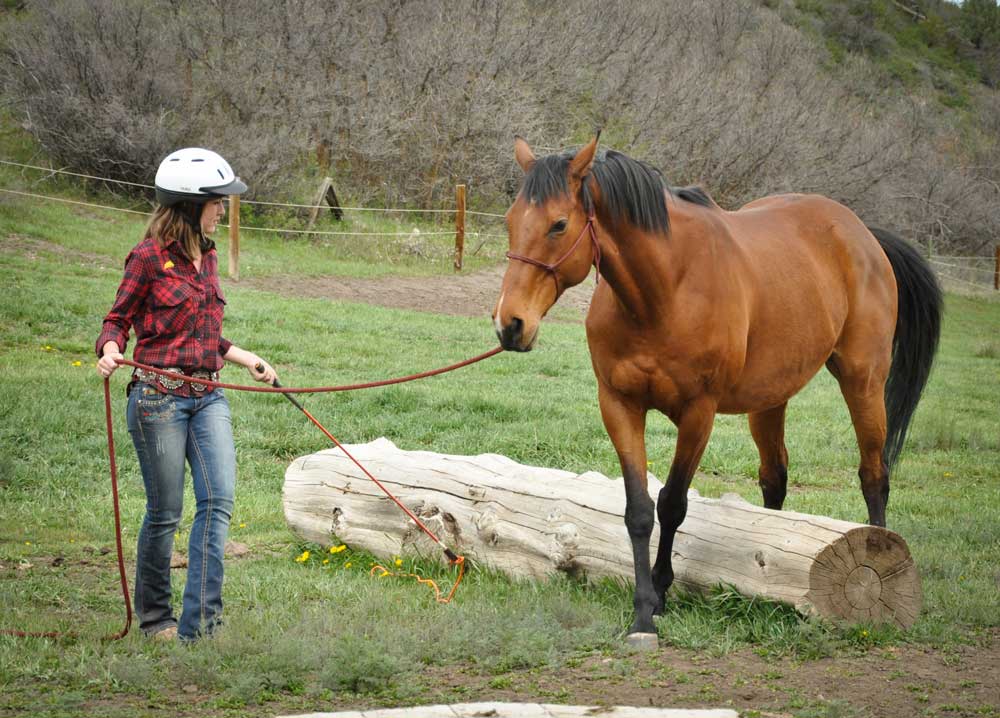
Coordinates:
[864,391]
[768,431]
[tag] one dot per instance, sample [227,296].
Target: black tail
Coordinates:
[918,327]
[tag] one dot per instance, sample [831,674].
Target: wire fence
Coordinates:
[71,201]
[290,205]
[53,170]
[964,274]
[482,237]
[281,230]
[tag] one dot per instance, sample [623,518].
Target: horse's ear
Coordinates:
[523,154]
[579,166]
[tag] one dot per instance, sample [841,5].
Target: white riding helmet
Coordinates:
[196,175]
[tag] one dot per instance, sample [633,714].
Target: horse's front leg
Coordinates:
[626,425]
[694,426]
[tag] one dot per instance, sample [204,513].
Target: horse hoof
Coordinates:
[643,642]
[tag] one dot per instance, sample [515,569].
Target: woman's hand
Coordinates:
[107,364]
[260,370]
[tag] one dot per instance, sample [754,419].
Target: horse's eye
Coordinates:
[558,227]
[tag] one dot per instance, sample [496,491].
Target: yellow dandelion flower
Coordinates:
[303,558]
[168,264]
[337,549]
[243,526]
[948,474]
[399,562]
[27,543]
[383,574]
[326,561]
[347,565]
[864,634]
[78,363]
[46,348]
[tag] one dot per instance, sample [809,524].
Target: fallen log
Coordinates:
[533,522]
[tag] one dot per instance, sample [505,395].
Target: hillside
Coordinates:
[888,106]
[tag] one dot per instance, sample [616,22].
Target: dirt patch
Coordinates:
[898,681]
[30,248]
[470,295]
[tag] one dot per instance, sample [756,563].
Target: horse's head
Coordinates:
[552,241]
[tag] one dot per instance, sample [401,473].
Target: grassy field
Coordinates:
[299,632]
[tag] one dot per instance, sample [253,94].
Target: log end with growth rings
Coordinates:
[867,575]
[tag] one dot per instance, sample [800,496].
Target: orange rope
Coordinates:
[277,388]
[460,562]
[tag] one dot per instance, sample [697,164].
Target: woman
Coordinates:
[171,296]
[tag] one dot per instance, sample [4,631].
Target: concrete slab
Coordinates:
[642,642]
[526,710]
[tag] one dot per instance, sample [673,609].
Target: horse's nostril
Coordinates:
[510,337]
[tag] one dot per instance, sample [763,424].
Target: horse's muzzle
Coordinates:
[512,337]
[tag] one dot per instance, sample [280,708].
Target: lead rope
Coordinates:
[118,540]
[453,558]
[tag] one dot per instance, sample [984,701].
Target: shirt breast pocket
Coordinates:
[174,305]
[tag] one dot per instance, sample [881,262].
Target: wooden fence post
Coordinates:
[326,192]
[996,271]
[234,237]
[314,212]
[460,225]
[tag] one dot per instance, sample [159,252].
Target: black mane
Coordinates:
[630,189]
[696,195]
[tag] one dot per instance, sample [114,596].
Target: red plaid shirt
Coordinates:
[175,310]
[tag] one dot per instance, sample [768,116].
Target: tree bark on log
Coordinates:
[533,522]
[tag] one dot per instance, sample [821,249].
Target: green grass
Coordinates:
[376,249]
[304,631]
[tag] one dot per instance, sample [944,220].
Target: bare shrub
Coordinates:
[404,99]
[95,85]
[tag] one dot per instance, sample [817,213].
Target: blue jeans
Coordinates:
[167,430]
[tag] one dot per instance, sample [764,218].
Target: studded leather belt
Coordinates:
[169,385]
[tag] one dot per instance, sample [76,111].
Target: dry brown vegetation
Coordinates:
[407,98]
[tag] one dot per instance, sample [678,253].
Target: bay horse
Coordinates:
[699,310]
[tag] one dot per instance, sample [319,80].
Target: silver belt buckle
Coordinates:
[199,388]
[209,375]
[154,379]
[168,383]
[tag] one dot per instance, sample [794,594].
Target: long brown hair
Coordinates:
[169,222]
